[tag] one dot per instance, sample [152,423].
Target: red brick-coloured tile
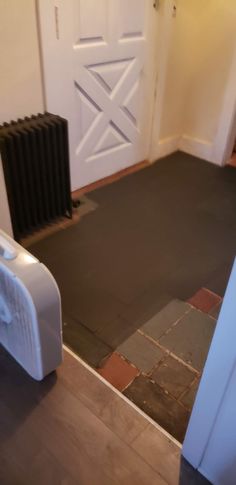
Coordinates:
[204,300]
[118,372]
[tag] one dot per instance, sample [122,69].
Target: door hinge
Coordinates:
[156,4]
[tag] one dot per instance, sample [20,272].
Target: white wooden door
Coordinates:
[99,70]
[210,441]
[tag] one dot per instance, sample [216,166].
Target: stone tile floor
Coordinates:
[190,338]
[141,351]
[159,366]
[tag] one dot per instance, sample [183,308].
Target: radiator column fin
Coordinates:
[35,158]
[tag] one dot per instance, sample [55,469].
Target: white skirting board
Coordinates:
[187,144]
[196,147]
[166,146]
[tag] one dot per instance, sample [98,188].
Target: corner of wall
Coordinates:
[166,146]
[206,120]
[196,147]
[193,146]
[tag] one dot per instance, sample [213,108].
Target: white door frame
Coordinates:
[215,381]
[226,132]
[164,33]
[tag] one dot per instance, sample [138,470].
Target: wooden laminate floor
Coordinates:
[73,428]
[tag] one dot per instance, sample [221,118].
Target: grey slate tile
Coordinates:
[116,332]
[163,320]
[164,409]
[188,398]
[173,376]
[190,339]
[141,352]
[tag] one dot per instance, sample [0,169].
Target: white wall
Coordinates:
[201,50]
[20,76]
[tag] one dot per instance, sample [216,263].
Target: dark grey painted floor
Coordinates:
[158,234]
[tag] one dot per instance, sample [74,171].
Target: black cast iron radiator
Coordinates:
[35,160]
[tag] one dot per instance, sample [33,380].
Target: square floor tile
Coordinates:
[141,352]
[161,407]
[173,376]
[163,320]
[189,397]
[190,339]
[215,311]
[204,300]
[118,372]
[116,332]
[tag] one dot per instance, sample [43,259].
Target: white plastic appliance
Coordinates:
[30,310]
